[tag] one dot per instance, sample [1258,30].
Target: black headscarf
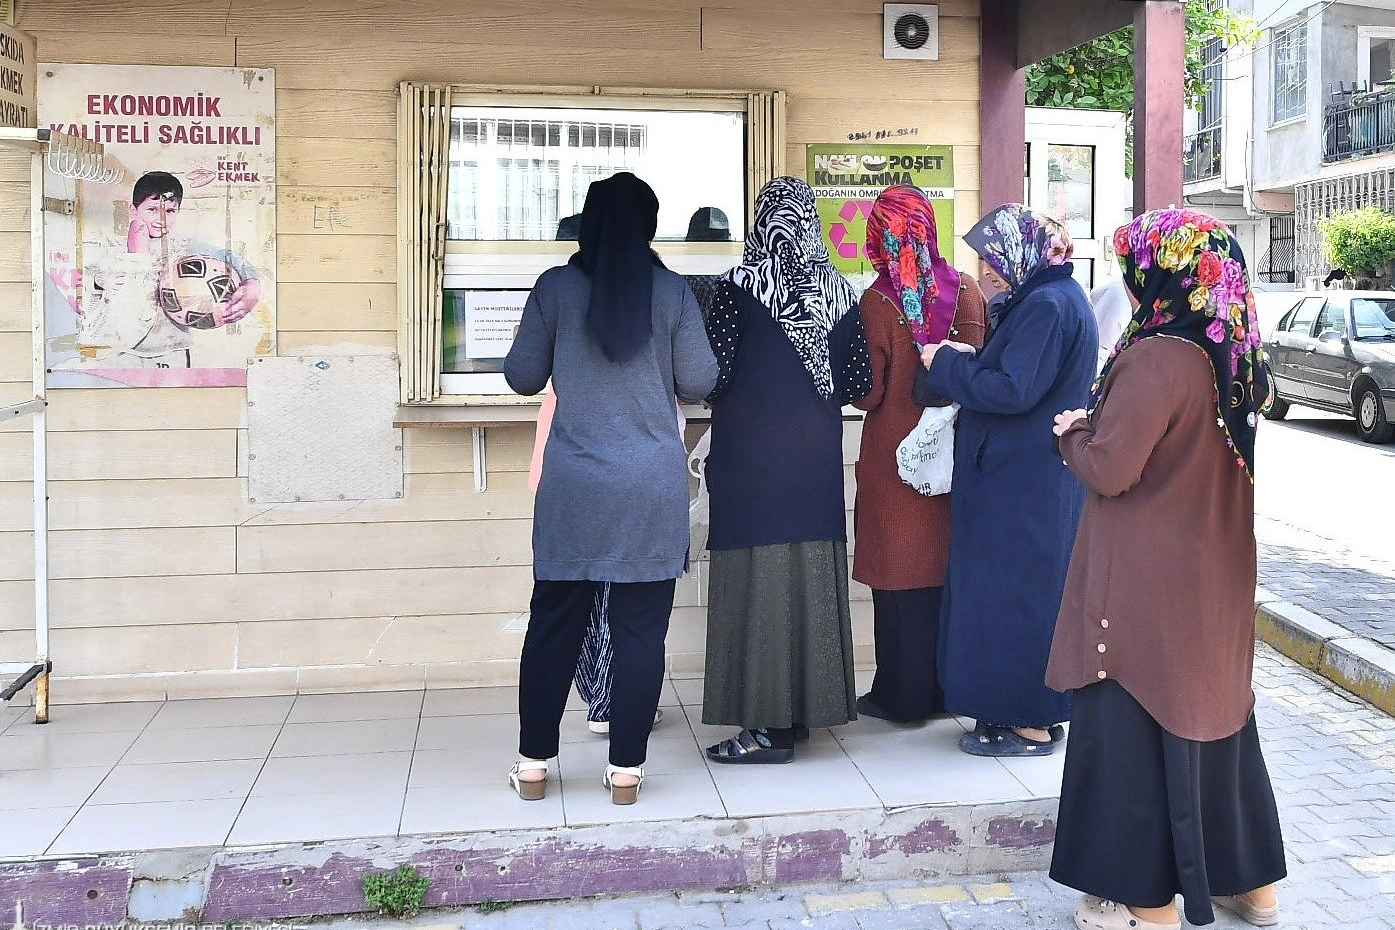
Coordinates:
[709,224]
[617,224]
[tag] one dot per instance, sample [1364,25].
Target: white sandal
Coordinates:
[529,789]
[623,794]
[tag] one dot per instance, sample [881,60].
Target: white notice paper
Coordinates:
[491,322]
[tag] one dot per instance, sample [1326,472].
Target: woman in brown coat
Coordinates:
[902,537]
[1165,788]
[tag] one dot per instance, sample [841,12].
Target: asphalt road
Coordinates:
[1314,474]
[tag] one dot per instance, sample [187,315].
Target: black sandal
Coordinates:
[749,747]
[1002,742]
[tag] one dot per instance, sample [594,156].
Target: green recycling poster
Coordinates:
[847,177]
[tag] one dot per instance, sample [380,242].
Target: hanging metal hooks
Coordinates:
[74,157]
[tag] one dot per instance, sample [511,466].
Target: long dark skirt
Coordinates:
[1146,815]
[779,637]
[906,632]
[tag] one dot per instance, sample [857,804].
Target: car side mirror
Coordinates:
[1331,335]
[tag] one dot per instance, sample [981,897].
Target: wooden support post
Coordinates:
[1159,91]
[1003,114]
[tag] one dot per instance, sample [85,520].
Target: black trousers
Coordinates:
[561,611]
[1146,815]
[906,634]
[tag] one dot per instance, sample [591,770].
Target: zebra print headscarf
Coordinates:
[786,268]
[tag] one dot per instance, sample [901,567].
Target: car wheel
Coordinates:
[1278,409]
[1371,422]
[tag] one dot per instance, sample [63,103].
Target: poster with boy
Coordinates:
[167,277]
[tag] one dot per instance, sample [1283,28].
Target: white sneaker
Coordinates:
[602,727]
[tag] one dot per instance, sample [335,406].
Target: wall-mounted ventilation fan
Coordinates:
[911,30]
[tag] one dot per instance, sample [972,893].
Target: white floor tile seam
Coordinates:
[411,763]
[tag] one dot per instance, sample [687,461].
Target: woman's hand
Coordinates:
[1066,419]
[927,354]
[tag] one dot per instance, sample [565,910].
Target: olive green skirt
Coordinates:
[779,637]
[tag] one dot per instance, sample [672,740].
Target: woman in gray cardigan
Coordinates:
[620,336]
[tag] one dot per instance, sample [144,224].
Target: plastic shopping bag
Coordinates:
[925,458]
[698,510]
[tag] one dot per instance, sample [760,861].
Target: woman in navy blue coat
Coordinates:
[1013,506]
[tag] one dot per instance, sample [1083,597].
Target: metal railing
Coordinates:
[1354,127]
[1202,155]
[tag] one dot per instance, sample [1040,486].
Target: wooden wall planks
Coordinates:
[167,580]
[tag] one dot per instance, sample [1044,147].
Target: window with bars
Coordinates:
[537,171]
[486,172]
[1277,267]
[1289,71]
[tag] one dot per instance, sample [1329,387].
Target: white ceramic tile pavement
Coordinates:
[380,705]
[813,783]
[99,828]
[31,832]
[202,713]
[8,715]
[662,797]
[487,733]
[40,748]
[454,702]
[665,757]
[178,781]
[1041,777]
[101,718]
[870,735]
[23,789]
[459,768]
[480,807]
[332,774]
[940,775]
[306,817]
[689,690]
[215,744]
[457,702]
[346,736]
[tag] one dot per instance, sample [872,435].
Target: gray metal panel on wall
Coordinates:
[319,428]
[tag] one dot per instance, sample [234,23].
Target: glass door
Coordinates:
[1076,175]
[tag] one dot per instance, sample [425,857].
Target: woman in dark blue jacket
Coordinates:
[1014,507]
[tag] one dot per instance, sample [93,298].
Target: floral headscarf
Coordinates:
[902,244]
[1188,274]
[1017,243]
[786,267]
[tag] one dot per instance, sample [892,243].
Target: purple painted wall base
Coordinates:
[308,880]
[73,892]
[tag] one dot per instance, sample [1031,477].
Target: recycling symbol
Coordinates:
[849,248]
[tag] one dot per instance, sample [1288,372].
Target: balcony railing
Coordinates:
[1202,156]
[1354,127]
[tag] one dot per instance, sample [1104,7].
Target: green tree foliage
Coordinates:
[1362,242]
[1099,75]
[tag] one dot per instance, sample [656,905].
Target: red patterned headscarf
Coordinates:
[903,245]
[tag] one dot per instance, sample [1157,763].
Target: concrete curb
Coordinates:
[299,880]
[1360,666]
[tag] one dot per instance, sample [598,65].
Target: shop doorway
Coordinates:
[1075,173]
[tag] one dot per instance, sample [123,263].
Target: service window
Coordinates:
[492,182]
[516,184]
[521,173]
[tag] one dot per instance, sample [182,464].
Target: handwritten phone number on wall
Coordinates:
[871,135]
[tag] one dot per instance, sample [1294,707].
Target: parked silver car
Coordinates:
[1335,350]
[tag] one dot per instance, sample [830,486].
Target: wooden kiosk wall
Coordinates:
[167,582]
